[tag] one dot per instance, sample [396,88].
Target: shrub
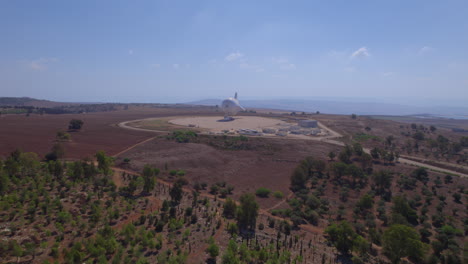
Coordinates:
[75,124]
[214,189]
[262,192]
[278,195]
[183,136]
[63,136]
[213,250]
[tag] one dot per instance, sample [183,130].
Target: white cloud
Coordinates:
[175,66]
[156,65]
[41,64]
[130,52]
[234,56]
[425,50]
[360,53]
[251,67]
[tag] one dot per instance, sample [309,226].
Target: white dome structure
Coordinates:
[231,107]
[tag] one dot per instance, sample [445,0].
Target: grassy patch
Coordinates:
[182,136]
[159,125]
[365,137]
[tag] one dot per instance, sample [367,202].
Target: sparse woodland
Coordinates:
[373,208]
[73,212]
[345,206]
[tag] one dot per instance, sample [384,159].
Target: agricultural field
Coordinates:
[37,133]
[119,194]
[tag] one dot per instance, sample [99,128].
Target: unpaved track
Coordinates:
[431,167]
[126,126]
[330,139]
[132,147]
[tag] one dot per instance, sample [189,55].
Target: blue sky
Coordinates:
[175,51]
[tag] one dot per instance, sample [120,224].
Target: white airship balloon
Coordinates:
[231,106]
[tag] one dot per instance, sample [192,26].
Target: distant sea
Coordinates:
[348,107]
[458,117]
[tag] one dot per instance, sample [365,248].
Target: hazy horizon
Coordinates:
[174,52]
[418,102]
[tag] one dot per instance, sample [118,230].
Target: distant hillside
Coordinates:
[346,107]
[27,101]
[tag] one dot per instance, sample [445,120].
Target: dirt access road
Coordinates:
[330,139]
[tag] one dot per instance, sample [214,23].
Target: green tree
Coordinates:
[344,157]
[402,241]
[75,124]
[230,208]
[361,245]
[365,202]
[104,162]
[176,193]
[17,250]
[418,135]
[319,166]
[357,147]
[331,155]
[232,229]
[355,172]
[213,249]
[4,182]
[149,179]
[402,207]
[342,236]
[247,212]
[456,196]
[339,168]
[382,180]
[298,179]
[421,174]
[229,257]
[375,153]
[57,152]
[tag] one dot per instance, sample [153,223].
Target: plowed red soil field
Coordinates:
[37,133]
[268,163]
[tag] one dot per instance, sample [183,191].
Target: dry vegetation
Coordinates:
[426,141]
[181,197]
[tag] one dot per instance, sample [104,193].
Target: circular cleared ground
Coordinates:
[217,124]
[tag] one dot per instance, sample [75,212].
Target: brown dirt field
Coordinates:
[242,122]
[381,129]
[36,133]
[269,165]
